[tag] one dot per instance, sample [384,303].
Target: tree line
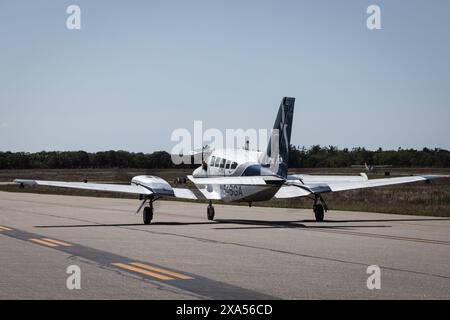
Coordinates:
[332,157]
[313,157]
[84,160]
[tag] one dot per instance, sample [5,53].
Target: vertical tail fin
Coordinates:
[277,152]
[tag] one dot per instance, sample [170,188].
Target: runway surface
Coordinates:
[247,253]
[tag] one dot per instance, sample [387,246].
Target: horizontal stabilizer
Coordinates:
[318,179]
[239,180]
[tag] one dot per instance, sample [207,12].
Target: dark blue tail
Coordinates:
[277,152]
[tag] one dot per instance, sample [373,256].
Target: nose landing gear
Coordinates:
[318,212]
[210,211]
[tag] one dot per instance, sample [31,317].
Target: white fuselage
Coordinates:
[227,162]
[235,163]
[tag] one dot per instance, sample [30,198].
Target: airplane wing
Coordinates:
[342,186]
[298,189]
[133,189]
[184,193]
[292,191]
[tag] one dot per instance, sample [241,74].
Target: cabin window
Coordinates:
[227,165]
[222,163]
[216,164]
[213,159]
[233,165]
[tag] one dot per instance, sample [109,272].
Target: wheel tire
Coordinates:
[148,215]
[319,212]
[210,213]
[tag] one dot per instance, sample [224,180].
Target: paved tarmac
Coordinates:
[247,253]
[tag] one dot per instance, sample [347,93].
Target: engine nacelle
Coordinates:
[155,184]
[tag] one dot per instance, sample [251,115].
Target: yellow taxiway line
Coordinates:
[65,244]
[143,271]
[160,270]
[44,242]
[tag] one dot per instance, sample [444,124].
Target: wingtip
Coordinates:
[431,177]
[24,182]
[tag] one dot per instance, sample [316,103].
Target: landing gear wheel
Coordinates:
[210,212]
[319,212]
[148,215]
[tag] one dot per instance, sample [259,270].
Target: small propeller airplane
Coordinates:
[242,175]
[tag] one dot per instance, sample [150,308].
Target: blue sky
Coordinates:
[137,70]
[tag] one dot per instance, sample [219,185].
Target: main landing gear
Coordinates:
[319,207]
[210,211]
[147,215]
